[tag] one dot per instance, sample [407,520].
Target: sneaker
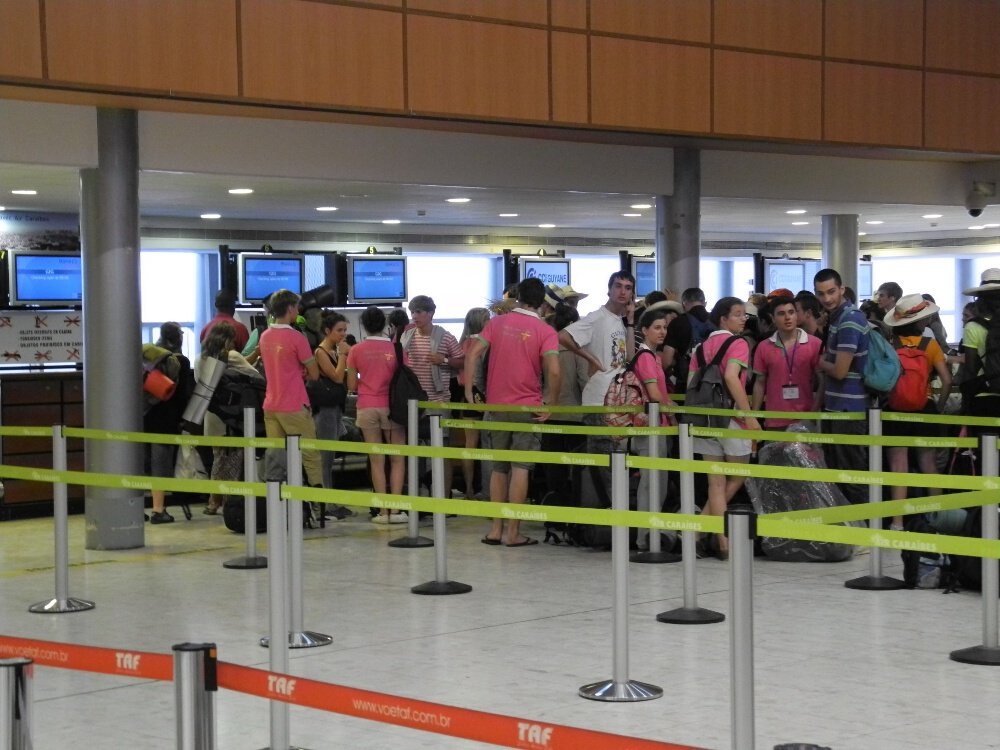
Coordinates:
[458,494]
[380,519]
[340,512]
[400,517]
[161,517]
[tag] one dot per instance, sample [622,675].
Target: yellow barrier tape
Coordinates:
[867,511]
[475,454]
[544,428]
[900,540]
[953,419]
[828,438]
[26,432]
[170,439]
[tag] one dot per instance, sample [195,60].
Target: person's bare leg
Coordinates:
[377,464]
[159,500]
[397,464]
[518,493]
[498,494]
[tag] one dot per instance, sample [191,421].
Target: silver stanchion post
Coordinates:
[250,561]
[741,528]
[690,613]
[298,636]
[412,538]
[655,554]
[440,585]
[16,676]
[620,689]
[195,685]
[875,580]
[62,602]
[989,652]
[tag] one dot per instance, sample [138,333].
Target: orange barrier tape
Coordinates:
[466,723]
[139,664]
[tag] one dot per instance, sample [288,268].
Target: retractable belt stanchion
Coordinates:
[741,528]
[690,613]
[251,561]
[195,685]
[654,554]
[412,538]
[15,704]
[619,689]
[62,602]
[298,636]
[989,652]
[440,584]
[875,580]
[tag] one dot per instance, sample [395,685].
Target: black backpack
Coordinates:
[707,387]
[403,387]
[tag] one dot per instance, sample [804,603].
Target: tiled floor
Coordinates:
[847,669]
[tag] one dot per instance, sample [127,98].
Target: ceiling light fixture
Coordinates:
[795,211]
[641,205]
[390,221]
[977,226]
[211,216]
[3,208]
[862,234]
[875,222]
[458,200]
[931,216]
[632,215]
[799,223]
[240,191]
[326,208]
[546,226]
[507,216]
[24,192]
[985,226]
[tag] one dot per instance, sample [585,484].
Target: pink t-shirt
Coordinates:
[738,350]
[374,361]
[789,372]
[284,351]
[649,370]
[517,342]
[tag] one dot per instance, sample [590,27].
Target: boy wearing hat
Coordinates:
[978,398]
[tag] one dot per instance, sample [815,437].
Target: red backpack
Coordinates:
[910,391]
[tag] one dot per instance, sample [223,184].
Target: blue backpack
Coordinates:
[882,368]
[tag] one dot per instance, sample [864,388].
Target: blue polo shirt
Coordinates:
[848,332]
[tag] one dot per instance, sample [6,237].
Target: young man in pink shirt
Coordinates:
[521,347]
[786,365]
[288,363]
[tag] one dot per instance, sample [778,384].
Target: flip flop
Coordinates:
[492,542]
[528,541]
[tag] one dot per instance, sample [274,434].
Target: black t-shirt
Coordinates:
[679,335]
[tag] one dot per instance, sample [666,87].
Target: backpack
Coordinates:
[700,329]
[162,385]
[234,392]
[707,387]
[882,367]
[910,391]
[403,387]
[989,380]
[627,390]
[437,336]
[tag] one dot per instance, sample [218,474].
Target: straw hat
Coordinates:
[989,281]
[553,295]
[668,304]
[568,292]
[910,309]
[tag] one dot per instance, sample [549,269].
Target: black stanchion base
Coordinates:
[61,606]
[985,655]
[411,542]
[246,563]
[654,557]
[875,583]
[695,616]
[302,639]
[441,588]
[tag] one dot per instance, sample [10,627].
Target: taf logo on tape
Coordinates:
[533,735]
[280,685]
[126,661]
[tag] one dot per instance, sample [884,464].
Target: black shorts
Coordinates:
[914,429]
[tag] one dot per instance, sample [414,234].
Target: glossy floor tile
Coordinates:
[850,670]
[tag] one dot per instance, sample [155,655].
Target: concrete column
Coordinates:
[726,280]
[112,386]
[678,225]
[840,246]
[965,278]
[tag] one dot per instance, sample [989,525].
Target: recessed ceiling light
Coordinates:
[507,216]
[240,191]
[24,192]
[985,226]
[458,200]
[796,211]
[977,226]
[3,208]
[641,205]
[799,223]
[546,226]
[632,215]
[326,208]
[211,216]
[862,234]
[931,216]
[874,222]
[390,221]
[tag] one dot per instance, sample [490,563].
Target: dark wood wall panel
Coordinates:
[962,113]
[767,96]
[681,20]
[321,54]
[523,11]
[184,46]
[649,85]
[477,69]
[886,31]
[870,104]
[963,35]
[20,39]
[794,26]
[570,90]
[571,13]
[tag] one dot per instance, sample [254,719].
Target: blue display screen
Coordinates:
[262,276]
[645,277]
[41,279]
[547,271]
[378,279]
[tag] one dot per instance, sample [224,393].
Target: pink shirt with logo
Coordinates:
[284,352]
[788,371]
[649,370]
[374,361]
[517,342]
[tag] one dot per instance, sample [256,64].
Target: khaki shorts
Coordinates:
[513,441]
[725,447]
[375,418]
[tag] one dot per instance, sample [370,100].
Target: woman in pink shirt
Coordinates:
[370,366]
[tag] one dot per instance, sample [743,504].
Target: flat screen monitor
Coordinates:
[784,274]
[547,270]
[864,290]
[45,279]
[376,280]
[644,270]
[261,274]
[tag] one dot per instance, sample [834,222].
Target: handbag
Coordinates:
[325,394]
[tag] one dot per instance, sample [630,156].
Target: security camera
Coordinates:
[975,203]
